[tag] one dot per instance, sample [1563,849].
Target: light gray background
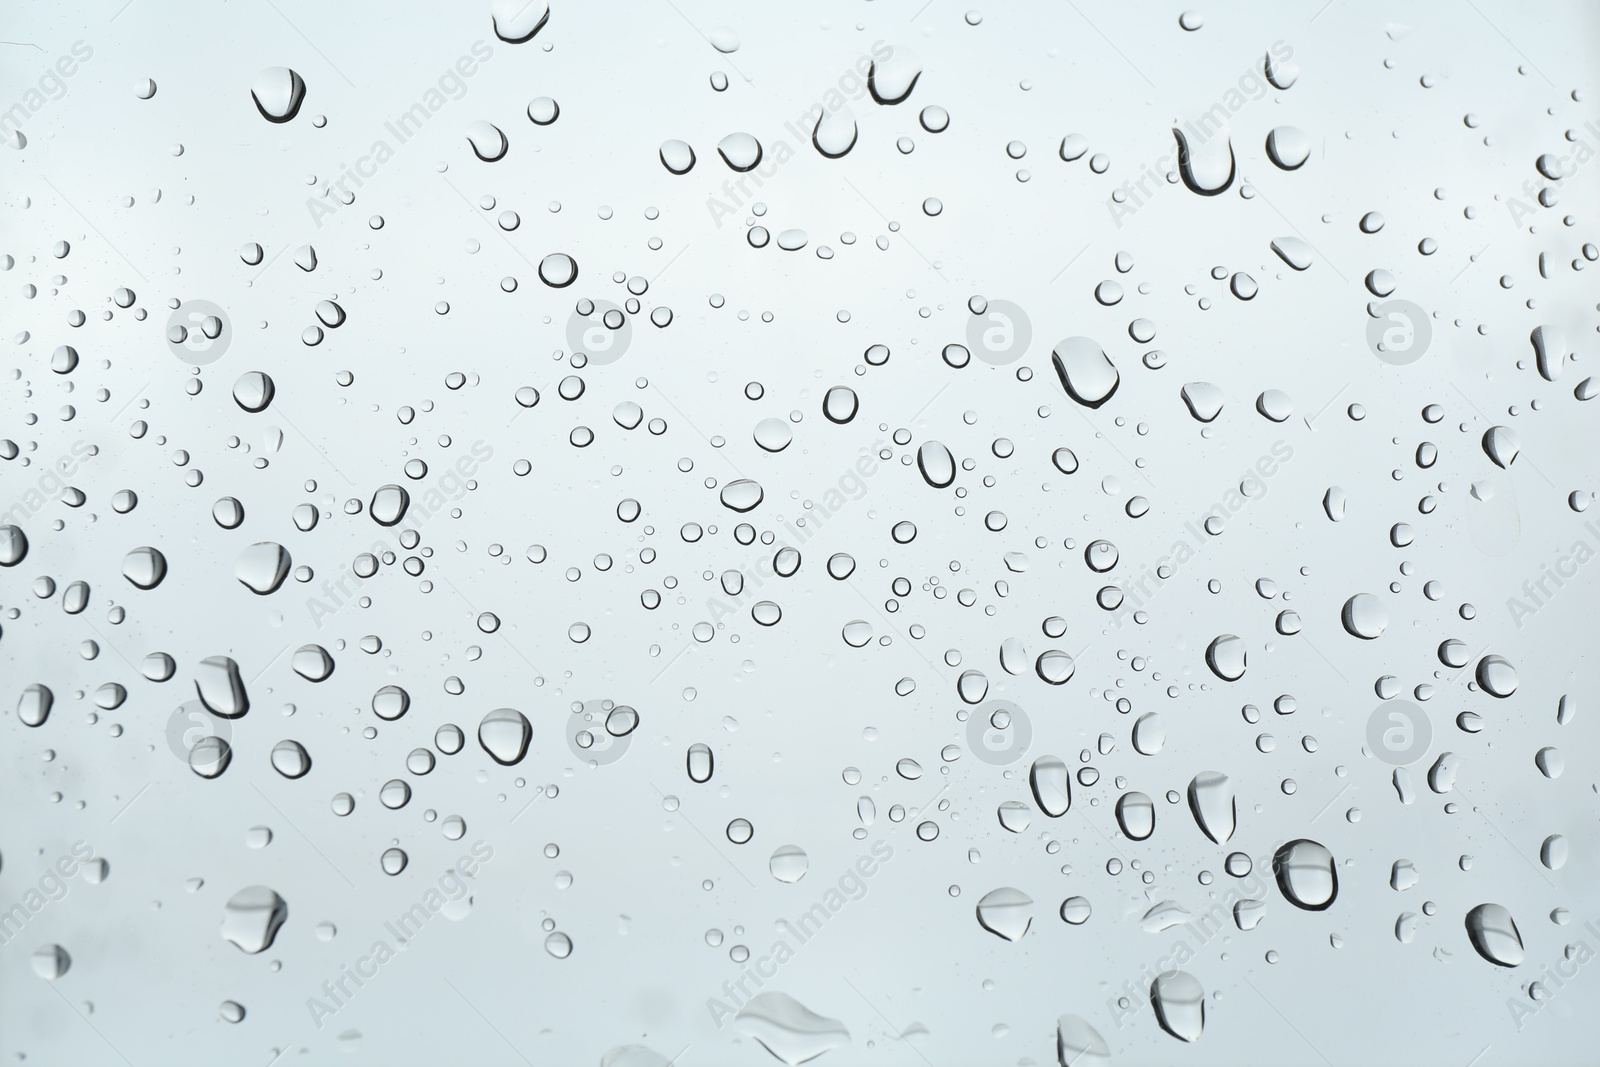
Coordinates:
[908,969]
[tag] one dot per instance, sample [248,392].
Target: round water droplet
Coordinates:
[543,110]
[516,21]
[312,662]
[1006,913]
[741,495]
[1364,616]
[1306,875]
[210,756]
[278,93]
[252,917]
[389,504]
[789,864]
[1288,147]
[50,962]
[1054,666]
[487,140]
[1136,814]
[840,404]
[13,546]
[558,270]
[1226,657]
[1212,803]
[740,151]
[1497,676]
[253,391]
[290,759]
[677,156]
[504,734]
[145,567]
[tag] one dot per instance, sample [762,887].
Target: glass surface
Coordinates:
[866,532]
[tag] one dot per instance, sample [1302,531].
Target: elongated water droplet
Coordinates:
[1281,71]
[700,762]
[1206,166]
[1149,734]
[1550,351]
[1078,1044]
[1086,372]
[1211,800]
[1136,814]
[1293,251]
[1180,1004]
[891,79]
[1052,785]
[1495,935]
[937,465]
[1501,446]
[221,687]
[34,706]
[1442,775]
[788,1029]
